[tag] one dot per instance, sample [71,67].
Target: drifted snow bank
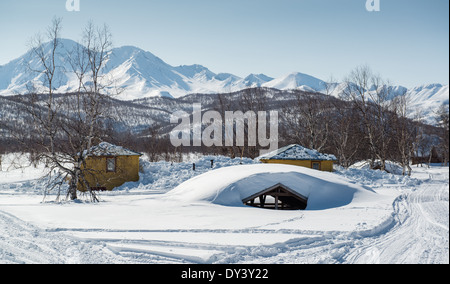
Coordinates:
[391,167]
[164,176]
[229,186]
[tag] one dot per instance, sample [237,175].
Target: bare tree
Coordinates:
[66,126]
[44,113]
[345,133]
[404,132]
[371,94]
[308,120]
[153,142]
[2,151]
[254,100]
[88,63]
[443,123]
[224,105]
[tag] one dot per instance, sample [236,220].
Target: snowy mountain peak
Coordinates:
[226,76]
[195,70]
[141,74]
[256,80]
[297,80]
[427,87]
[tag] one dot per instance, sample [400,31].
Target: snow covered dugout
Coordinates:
[231,186]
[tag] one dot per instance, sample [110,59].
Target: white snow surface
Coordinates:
[171,216]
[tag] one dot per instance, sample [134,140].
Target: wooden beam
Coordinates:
[279,194]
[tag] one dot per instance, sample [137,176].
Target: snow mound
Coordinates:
[229,186]
[391,167]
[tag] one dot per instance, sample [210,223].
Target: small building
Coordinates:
[109,166]
[300,156]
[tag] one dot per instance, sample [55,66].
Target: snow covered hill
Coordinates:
[141,74]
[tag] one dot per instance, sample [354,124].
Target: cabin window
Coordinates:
[111,165]
[316,166]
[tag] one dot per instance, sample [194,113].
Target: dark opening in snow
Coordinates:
[278,197]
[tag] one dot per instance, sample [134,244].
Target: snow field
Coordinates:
[405,220]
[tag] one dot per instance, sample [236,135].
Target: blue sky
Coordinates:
[406,42]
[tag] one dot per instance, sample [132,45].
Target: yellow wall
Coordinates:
[127,170]
[326,166]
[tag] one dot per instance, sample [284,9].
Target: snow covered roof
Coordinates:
[229,186]
[297,152]
[107,149]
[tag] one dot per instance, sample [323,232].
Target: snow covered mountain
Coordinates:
[22,73]
[428,98]
[141,74]
[297,81]
[256,80]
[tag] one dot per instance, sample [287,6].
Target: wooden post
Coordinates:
[262,200]
[276,202]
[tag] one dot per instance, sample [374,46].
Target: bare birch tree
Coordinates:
[66,126]
[308,120]
[345,133]
[404,132]
[370,95]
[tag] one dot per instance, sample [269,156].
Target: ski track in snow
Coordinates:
[23,243]
[420,233]
[417,233]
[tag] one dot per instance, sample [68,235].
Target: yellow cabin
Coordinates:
[109,166]
[300,156]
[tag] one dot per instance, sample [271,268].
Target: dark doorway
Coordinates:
[278,197]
